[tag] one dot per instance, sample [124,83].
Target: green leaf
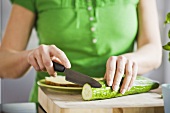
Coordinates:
[167,46]
[169,34]
[167,21]
[168,43]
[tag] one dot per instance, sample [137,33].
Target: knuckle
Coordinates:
[62,53]
[42,68]
[112,58]
[121,57]
[42,46]
[120,70]
[128,73]
[111,63]
[52,46]
[36,53]
[116,82]
[36,68]
[111,69]
[109,79]
[31,58]
[47,63]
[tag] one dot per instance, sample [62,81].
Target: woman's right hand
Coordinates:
[41,58]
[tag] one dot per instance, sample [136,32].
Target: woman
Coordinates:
[96,36]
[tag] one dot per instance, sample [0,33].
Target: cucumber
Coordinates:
[141,85]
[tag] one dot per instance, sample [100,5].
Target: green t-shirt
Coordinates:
[88,31]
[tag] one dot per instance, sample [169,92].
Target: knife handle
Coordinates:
[58,67]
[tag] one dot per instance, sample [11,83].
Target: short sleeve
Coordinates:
[28,4]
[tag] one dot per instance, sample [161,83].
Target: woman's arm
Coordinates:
[13,58]
[147,56]
[149,49]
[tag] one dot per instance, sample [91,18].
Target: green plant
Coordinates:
[167,46]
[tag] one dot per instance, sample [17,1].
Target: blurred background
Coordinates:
[14,91]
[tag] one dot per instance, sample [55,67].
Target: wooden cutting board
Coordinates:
[54,101]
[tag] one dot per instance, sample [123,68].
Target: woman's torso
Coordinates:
[88,31]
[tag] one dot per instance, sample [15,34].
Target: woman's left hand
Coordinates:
[116,68]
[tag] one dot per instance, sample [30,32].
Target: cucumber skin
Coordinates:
[141,85]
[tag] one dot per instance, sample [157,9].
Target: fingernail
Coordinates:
[68,65]
[123,91]
[55,74]
[116,88]
[37,69]
[110,83]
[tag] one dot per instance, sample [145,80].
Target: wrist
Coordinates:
[26,55]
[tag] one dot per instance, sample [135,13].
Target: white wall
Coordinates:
[18,90]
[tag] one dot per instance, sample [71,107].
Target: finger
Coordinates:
[47,60]
[134,74]
[33,61]
[110,70]
[128,76]
[119,72]
[61,55]
[56,60]
[39,60]
[48,65]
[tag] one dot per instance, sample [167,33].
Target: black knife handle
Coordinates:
[58,67]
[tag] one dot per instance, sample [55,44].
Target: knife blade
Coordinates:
[76,77]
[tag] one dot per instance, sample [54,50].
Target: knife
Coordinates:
[76,77]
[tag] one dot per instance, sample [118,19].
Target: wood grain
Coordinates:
[71,102]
